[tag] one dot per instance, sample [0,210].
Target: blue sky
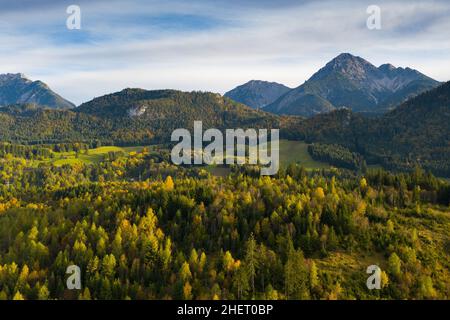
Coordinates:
[212,45]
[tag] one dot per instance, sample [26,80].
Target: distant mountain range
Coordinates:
[257,94]
[416,131]
[346,81]
[17,89]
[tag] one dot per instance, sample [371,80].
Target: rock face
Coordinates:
[352,82]
[137,111]
[17,89]
[256,93]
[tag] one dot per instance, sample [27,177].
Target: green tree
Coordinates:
[394,263]
[296,276]
[251,261]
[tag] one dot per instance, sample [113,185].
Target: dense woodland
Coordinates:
[337,155]
[141,228]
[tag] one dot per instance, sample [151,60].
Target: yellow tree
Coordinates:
[169,184]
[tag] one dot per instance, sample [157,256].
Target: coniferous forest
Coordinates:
[141,228]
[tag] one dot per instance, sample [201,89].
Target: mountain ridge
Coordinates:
[130,116]
[18,89]
[257,93]
[353,82]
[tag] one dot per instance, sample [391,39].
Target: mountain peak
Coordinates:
[348,65]
[13,76]
[256,82]
[353,82]
[16,88]
[387,67]
[347,58]
[257,93]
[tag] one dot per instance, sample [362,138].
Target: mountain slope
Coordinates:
[131,116]
[421,123]
[257,94]
[415,133]
[352,82]
[173,108]
[17,89]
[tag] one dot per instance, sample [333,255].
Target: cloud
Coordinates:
[212,45]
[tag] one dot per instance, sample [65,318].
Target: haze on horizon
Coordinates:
[212,45]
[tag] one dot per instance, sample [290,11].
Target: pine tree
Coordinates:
[313,275]
[18,296]
[169,184]
[394,265]
[295,276]
[251,261]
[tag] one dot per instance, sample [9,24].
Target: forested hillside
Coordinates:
[141,228]
[129,117]
[414,134]
[417,133]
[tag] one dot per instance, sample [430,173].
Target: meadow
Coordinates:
[92,156]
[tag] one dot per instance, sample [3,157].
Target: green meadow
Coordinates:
[290,152]
[297,152]
[92,156]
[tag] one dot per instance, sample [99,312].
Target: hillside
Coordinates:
[419,130]
[132,116]
[415,133]
[163,111]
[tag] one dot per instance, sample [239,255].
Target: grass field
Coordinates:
[297,152]
[93,155]
[290,152]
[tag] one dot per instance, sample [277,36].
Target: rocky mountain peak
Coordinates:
[16,88]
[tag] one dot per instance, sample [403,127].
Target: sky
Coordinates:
[212,45]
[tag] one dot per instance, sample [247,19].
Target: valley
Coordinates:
[291,152]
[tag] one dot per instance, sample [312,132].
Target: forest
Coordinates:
[141,228]
[337,155]
[95,187]
[416,133]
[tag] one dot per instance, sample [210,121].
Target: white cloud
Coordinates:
[285,44]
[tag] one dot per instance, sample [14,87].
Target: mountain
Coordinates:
[415,133]
[352,82]
[162,111]
[131,116]
[17,89]
[256,93]
[421,125]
